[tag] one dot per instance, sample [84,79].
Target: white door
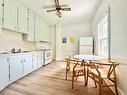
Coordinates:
[16,67]
[35,61]
[10,15]
[22,19]
[27,62]
[4,72]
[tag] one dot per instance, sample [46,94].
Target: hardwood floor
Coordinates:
[49,80]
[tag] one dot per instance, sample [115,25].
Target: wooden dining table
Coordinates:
[88,59]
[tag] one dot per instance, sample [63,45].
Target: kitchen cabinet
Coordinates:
[35,61]
[1,13]
[10,15]
[27,63]
[30,36]
[37,29]
[4,72]
[16,67]
[45,31]
[31,26]
[40,58]
[22,19]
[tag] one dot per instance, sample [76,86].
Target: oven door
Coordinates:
[48,55]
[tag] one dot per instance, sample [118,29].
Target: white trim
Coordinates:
[120,91]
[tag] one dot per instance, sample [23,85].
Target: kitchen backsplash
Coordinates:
[41,45]
[10,39]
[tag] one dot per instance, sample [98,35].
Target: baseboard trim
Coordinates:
[120,91]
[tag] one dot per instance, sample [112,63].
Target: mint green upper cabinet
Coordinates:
[31,26]
[1,11]
[22,19]
[37,29]
[10,15]
[45,35]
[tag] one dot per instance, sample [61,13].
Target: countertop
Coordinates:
[6,53]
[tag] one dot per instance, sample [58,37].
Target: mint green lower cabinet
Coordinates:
[40,59]
[34,61]
[27,63]
[16,67]
[4,72]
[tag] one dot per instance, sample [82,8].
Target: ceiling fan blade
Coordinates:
[66,9]
[51,10]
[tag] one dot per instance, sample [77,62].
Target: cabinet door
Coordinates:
[31,26]
[4,72]
[35,61]
[1,13]
[27,59]
[22,19]
[10,15]
[45,33]
[16,67]
[40,59]
[37,29]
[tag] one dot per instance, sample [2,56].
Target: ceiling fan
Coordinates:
[58,8]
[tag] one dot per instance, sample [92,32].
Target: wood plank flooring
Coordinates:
[50,80]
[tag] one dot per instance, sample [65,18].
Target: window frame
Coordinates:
[100,39]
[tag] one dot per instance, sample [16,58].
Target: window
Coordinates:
[103,37]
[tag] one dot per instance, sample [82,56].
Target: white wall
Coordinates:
[118,36]
[58,41]
[53,42]
[74,30]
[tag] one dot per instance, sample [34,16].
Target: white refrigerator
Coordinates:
[86,45]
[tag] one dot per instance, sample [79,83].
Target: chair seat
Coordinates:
[102,72]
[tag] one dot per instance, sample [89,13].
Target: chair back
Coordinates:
[107,66]
[75,62]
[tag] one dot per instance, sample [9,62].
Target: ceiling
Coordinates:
[81,10]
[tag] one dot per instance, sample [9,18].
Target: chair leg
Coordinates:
[116,90]
[87,74]
[85,79]
[73,81]
[66,75]
[77,76]
[100,88]
[94,81]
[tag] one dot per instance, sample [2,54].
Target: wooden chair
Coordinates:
[103,73]
[75,68]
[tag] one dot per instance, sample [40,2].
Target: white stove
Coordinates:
[47,57]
